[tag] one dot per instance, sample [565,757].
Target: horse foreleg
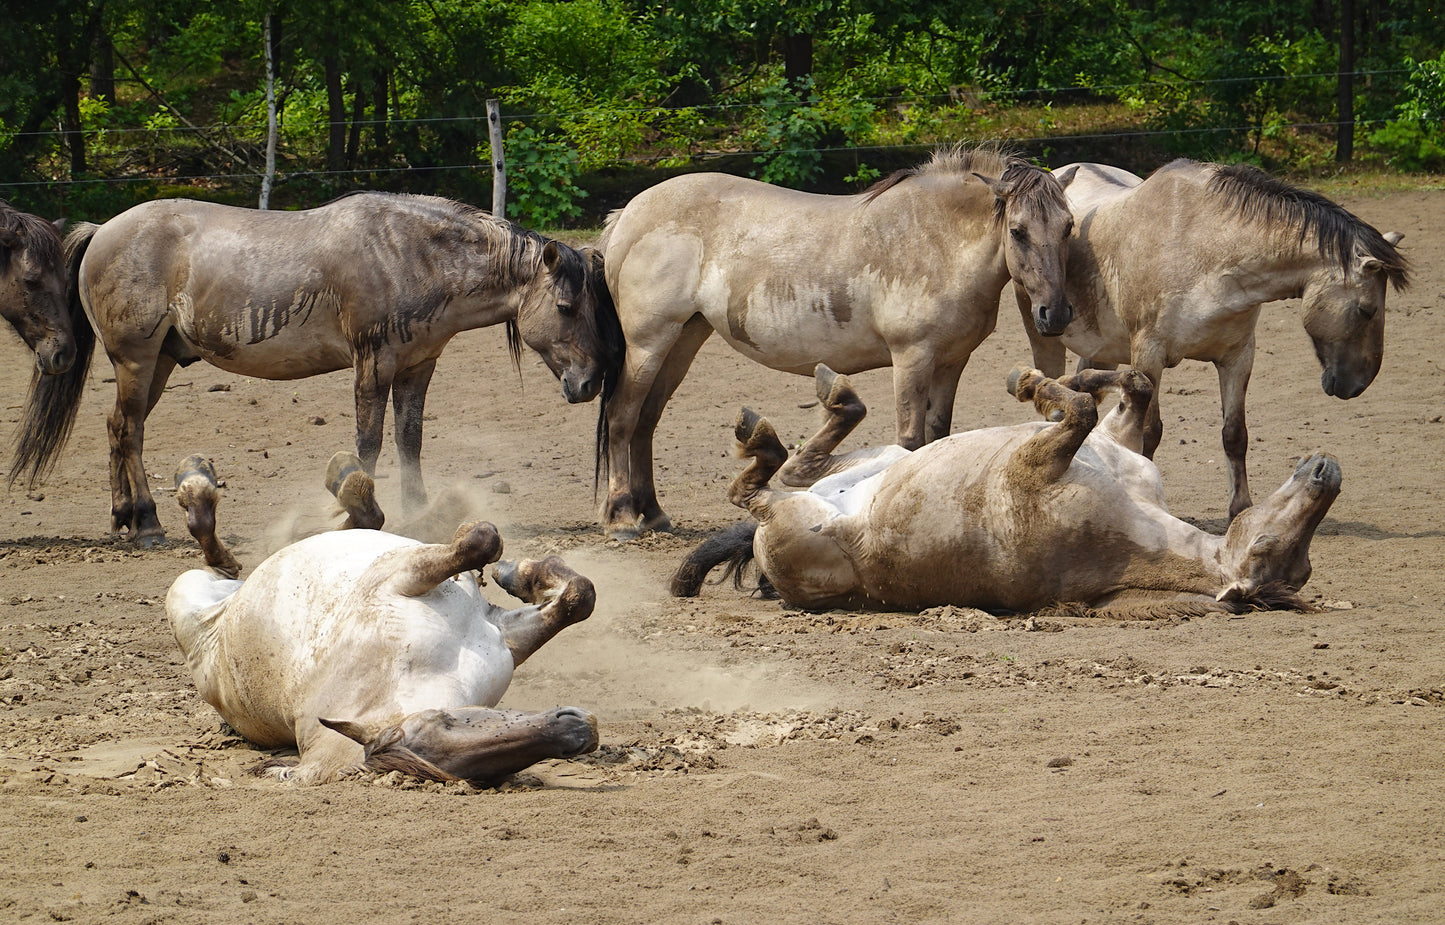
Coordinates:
[843,411]
[1048,352]
[1127,421]
[1233,383]
[198,493]
[373,382]
[1047,455]
[912,375]
[408,399]
[1144,357]
[559,597]
[759,443]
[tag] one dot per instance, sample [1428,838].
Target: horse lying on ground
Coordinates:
[368,650]
[375,282]
[1177,267]
[906,274]
[1013,518]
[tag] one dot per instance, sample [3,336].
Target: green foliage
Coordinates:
[542,173]
[1415,140]
[785,133]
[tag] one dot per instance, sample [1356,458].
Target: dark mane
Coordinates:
[41,237]
[1031,185]
[1258,197]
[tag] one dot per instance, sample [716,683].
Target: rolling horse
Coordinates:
[1178,266]
[375,282]
[907,274]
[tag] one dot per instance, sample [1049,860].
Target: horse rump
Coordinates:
[732,546]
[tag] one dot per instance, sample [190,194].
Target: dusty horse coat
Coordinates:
[363,648]
[1178,266]
[1010,518]
[907,274]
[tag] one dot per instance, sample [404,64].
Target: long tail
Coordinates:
[733,545]
[609,327]
[50,409]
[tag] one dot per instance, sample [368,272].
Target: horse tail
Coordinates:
[732,545]
[50,408]
[614,348]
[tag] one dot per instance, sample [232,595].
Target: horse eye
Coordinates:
[564,306]
[1019,234]
[1367,309]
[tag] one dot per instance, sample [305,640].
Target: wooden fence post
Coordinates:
[499,162]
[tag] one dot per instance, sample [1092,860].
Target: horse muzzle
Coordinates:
[53,360]
[577,388]
[1344,384]
[1050,320]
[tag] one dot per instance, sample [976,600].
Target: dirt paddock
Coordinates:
[760,765]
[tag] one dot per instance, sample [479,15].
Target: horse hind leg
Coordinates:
[133,507]
[1047,455]
[355,492]
[419,569]
[843,411]
[198,493]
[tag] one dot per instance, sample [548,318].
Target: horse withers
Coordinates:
[375,282]
[367,650]
[1177,267]
[1015,518]
[906,274]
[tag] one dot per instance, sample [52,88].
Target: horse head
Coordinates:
[32,289]
[1037,223]
[571,321]
[1267,547]
[1344,314]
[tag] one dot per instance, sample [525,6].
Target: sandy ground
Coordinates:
[759,764]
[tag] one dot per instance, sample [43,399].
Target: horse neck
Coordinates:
[1186,559]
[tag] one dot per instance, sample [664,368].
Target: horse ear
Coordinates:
[551,256]
[1393,238]
[1067,176]
[999,188]
[353,731]
[9,238]
[59,224]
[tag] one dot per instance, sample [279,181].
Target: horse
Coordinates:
[378,282]
[368,650]
[1177,267]
[33,300]
[1064,512]
[907,273]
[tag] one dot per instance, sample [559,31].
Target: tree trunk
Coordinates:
[797,58]
[378,111]
[102,70]
[270,25]
[336,113]
[1345,86]
[74,140]
[358,114]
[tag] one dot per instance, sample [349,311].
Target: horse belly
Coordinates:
[796,336]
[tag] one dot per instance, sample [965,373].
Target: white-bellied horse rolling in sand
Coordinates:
[1015,518]
[906,274]
[1177,267]
[374,282]
[365,649]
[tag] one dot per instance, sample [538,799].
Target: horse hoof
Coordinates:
[623,534]
[747,423]
[150,540]
[824,379]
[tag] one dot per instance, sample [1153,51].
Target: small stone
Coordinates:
[220,387]
[501,488]
[318,420]
[1063,761]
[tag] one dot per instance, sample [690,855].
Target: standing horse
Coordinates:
[32,299]
[377,282]
[1176,267]
[906,274]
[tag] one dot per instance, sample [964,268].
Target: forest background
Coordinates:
[106,103]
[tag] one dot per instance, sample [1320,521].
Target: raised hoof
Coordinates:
[1015,375]
[339,467]
[747,424]
[196,465]
[823,378]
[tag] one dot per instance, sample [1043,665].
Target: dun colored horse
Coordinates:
[907,274]
[1177,267]
[32,299]
[376,282]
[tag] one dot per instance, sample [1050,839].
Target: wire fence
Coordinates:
[315,128]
